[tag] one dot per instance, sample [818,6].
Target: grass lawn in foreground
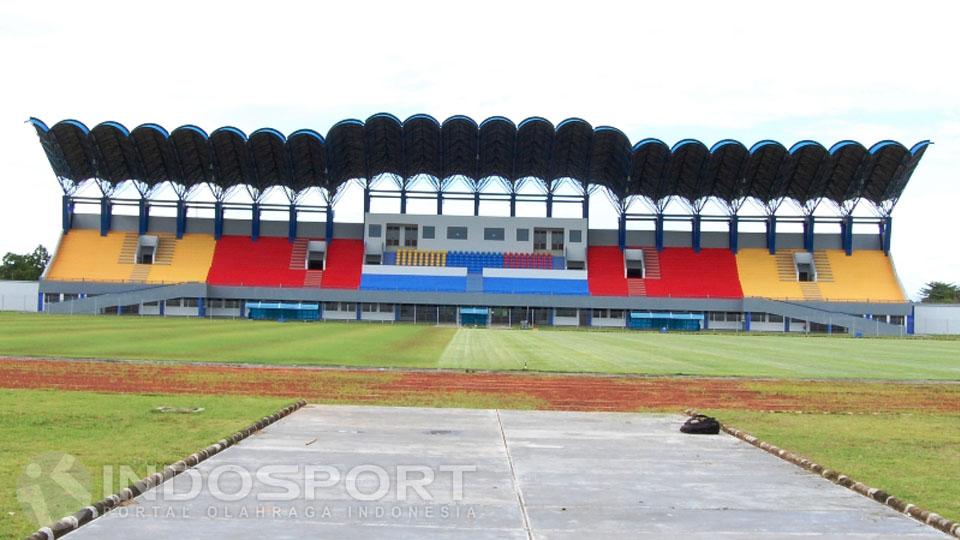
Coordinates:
[405,345]
[915,457]
[107,429]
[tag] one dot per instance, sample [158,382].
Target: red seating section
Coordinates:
[712,273]
[539,261]
[238,260]
[344,264]
[605,271]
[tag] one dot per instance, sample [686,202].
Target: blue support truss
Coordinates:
[886,232]
[695,231]
[255,223]
[659,232]
[292,224]
[66,213]
[733,238]
[329,229]
[181,218]
[846,233]
[808,226]
[218,220]
[144,216]
[106,210]
[772,234]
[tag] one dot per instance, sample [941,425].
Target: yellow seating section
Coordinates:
[416,257]
[190,261]
[84,255]
[867,275]
[759,276]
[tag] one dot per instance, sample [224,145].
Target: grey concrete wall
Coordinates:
[19,295]
[936,319]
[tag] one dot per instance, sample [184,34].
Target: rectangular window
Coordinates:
[410,236]
[429,232]
[576,236]
[599,314]
[616,313]
[733,316]
[774,318]
[231,304]
[456,233]
[368,308]
[331,306]
[174,302]
[386,308]
[523,235]
[539,239]
[51,298]
[374,230]
[566,312]
[393,235]
[556,240]
[190,302]
[493,233]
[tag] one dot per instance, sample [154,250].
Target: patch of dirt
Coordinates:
[555,392]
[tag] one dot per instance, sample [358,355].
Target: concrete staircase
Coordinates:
[166,246]
[140,272]
[786,268]
[313,279]
[636,287]
[128,250]
[822,264]
[298,257]
[651,263]
[474,283]
[810,290]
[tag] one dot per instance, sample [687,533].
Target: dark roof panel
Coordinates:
[532,150]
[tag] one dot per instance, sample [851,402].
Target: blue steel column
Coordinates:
[476,203]
[403,200]
[550,204]
[706,320]
[786,324]
[808,223]
[67,213]
[163,306]
[366,199]
[886,225]
[747,319]
[255,225]
[622,232]
[292,225]
[733,239]
[696,233]
[329,229]
[39,301]
[659,232]
[181,218]
[439,203]
[772,234]
[586,206]
[201,307]
[144,222]
[513,204]
[105,211]
[217,220]
[846,231]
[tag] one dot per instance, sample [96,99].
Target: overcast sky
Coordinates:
[745,70]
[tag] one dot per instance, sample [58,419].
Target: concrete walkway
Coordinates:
[524,475]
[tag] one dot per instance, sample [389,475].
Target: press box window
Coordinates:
[374,230]
[523,235]
[429,232]
[493,233]
[456,233]
[576,236]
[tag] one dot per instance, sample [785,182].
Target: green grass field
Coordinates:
[107,429]
[401,345]
[913,456]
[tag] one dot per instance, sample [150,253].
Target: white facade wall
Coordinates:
[936,319]
[566,321]
[475,237]
[605,322]
[19,295]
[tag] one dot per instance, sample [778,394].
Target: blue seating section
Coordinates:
[474,261]
[559,263]
[390,257]
[535,286]
[379,282]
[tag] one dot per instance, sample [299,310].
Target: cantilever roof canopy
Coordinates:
[533,150]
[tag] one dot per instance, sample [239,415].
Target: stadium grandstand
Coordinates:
[172,223]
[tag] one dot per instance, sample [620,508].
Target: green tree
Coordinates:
[27,267]
[940,292]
